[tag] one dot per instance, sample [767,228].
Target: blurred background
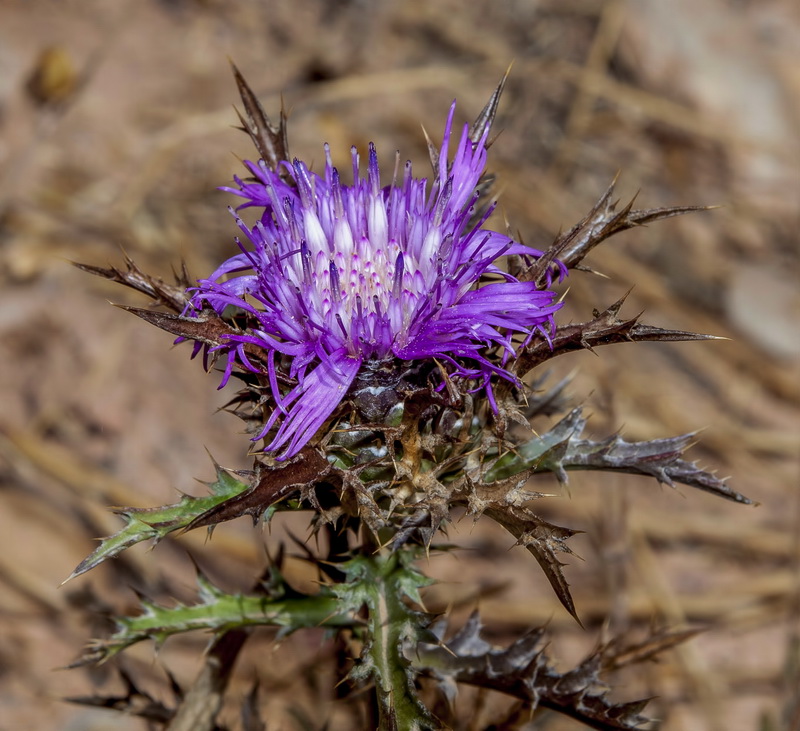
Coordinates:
[116,127]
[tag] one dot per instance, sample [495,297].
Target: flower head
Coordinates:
[334,276]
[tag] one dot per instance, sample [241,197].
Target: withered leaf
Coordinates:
[133,702]
[615,656]
[271,484]
[208,329]
[543,540]
[484,121]
[270,141]
[524,671]
[561,449]
[173,296]
[605,329]
[602,222]
[482,124]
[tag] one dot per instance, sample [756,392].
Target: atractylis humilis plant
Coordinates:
[381,335]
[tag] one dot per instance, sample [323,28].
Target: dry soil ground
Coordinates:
[115,129]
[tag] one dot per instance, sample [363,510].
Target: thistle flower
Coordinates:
[335,276]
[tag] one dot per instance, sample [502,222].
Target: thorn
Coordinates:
[589,270]
[485,119]
[270,141]
[617,306]
[433,152]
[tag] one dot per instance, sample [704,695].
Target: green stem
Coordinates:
[392,624]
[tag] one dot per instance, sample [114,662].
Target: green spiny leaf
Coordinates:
[142,524]
[532,454]
[218,611]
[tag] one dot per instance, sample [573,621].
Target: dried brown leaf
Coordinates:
[602,222]
[524,671]
[208,328]
[543,540]
[270,140]
[173,296]
[270,485]
[613,658]
[605,329]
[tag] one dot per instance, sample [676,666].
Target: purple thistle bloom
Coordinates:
[336,275]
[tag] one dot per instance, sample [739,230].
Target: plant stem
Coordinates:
[199,708]
[392,623]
